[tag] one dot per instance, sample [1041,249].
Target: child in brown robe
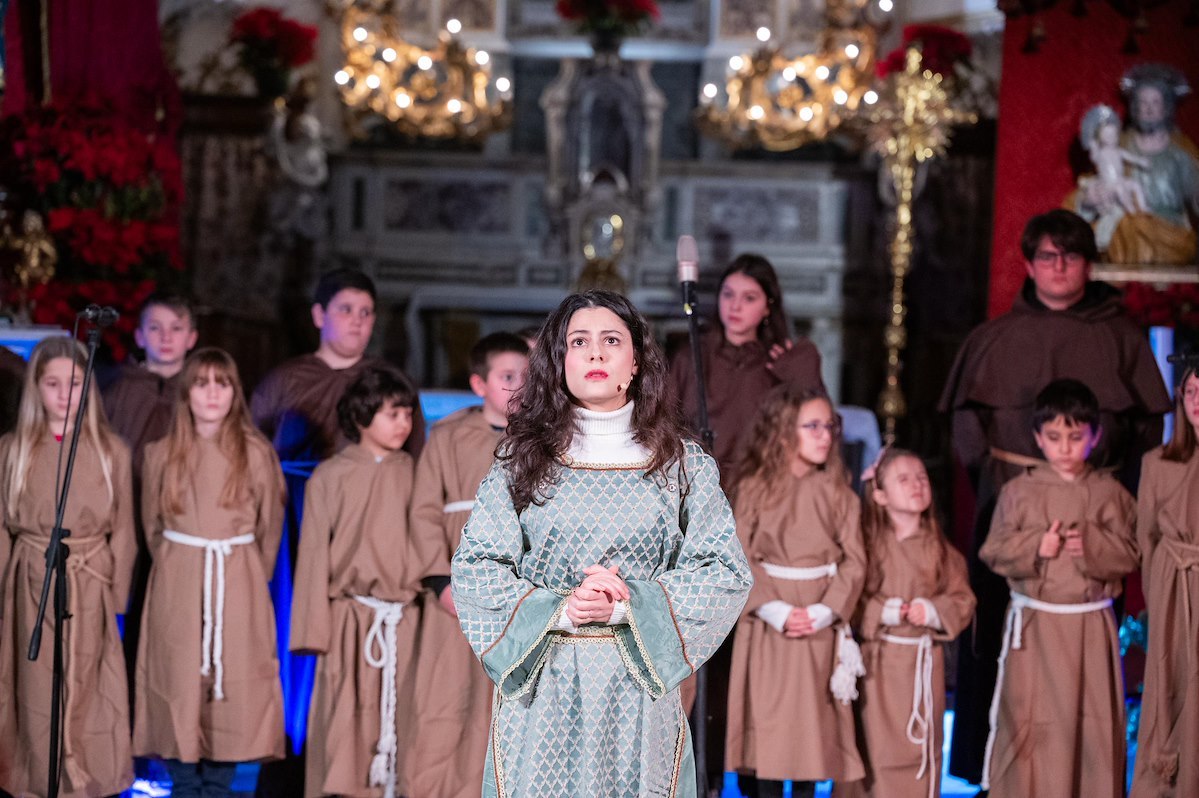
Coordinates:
[208,691]
[1168,531]
[356,577]
[1062,536]
[798,520]
[95,723]
[917,596]
[454,697]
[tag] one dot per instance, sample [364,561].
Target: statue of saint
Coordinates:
[1165,165]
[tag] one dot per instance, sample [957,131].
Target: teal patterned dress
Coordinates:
[596,713]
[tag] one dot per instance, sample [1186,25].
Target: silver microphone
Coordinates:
[687,255]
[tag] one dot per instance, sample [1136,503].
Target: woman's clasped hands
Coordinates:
[594,600]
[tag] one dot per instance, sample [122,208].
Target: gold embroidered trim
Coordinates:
[639,465]
[495,744]
[528,685]
[568,639]
[678,631]
[658,689]
[631,667]
[678,752]
[511,618]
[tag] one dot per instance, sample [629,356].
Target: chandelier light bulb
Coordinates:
[360,34]
[372,81]
[851,50]
[885,5]
[710,91]
[403,100]
[453,26]
[763,34]
[871,97]
[341,77]
[482,57]
[503,85]
[805,114]
[822,72]
[789,73]
[840,97]
[756,112]
[736,62]
[424,62]
[454,105]
[389,54]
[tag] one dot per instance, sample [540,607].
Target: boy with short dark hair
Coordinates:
[454,695]
[140,402]
[357,573]
[1063,538]
[296,404]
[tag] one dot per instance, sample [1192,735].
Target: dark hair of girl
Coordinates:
[876,523]
[1181,447]
[773,329]
[542,423]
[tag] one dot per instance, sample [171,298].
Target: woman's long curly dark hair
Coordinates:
[542,423]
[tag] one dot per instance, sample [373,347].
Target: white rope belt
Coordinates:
[382,637]
[463,506]
[212,638]
[920,723]
[1012,630]
[800,574]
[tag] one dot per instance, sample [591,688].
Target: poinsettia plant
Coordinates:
[941,49]
[1174,306]
[618,17]
[110,196]
[270,45]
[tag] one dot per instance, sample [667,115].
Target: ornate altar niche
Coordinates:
[603,134]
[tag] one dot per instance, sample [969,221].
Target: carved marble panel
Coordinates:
[758,213]
[447,206]
[743,17]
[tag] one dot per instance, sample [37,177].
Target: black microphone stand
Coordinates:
[56,567]
[699,712]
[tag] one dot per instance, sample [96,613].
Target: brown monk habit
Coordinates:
[296,407]
[991,389]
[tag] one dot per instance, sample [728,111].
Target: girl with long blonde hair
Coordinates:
[794,660]
[101,545]
[917,596]
[207,684]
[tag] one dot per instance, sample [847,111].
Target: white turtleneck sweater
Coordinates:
[604,438]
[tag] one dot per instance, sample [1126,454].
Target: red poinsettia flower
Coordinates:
[940,49]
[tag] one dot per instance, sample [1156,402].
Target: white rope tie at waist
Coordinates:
[1012,630]
[920,723]
[800,574]
[212,638]
[466,505]
[382,637]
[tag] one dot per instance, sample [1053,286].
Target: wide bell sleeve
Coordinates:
[678,620]
[1012,545]
[1109,547]
[506,619]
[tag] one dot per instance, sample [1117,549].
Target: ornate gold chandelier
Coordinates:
[446,92]
[779,103]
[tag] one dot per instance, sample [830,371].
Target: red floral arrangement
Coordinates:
[110,196]
[940,49]
[270,46]
[608,16]
[1174,306]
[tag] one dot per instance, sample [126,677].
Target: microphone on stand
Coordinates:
[100,316]
[687,255]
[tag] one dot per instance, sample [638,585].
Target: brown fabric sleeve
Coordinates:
[1148,531]
[870,622]
[273,503]
[153,467]
[311,610]
[745,515]
[799,366]
[1010,549]
[426,525]
[841,596]
[122,539]
[1109,548]
[265,403]
[955,604]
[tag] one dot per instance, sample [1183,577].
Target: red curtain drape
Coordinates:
[110,50]
[1042,98]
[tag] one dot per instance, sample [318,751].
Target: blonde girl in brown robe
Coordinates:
[798,521]
[207,683]
[356,579]
[1062,536]
[99,514]
[917,596]
[1168,532]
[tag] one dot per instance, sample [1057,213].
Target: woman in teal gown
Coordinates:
[599,568]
